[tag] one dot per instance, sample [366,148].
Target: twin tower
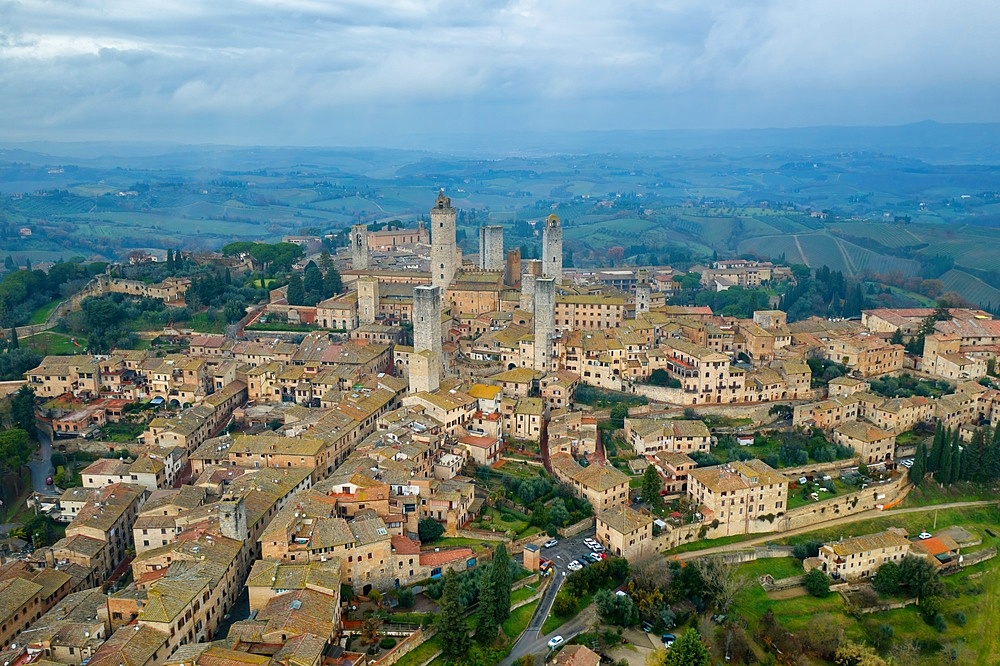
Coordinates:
[427,360]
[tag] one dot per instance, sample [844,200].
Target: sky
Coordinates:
[360,72]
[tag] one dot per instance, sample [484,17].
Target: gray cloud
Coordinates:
[354,71]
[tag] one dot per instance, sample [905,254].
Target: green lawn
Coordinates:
[40,315]
[975,519]
[421,653]
[553,622]
[57,344]
[201,323]
[698,544]
[458,541]
[973,592]
[931,493]
[522,593]
[519,619]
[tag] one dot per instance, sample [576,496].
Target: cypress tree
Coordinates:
[296,293]
[956,463]
[170,259]
[503,581]
[919,467]
[934,461]
[451,624]
[943,475]
[14,343]
[486,620]
[332,283]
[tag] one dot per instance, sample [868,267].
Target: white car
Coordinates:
[597,548]
[550,543]
[588,541]
[925,535]
[555,642]
[574,566]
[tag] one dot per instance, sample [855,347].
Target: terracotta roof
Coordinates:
[433,559]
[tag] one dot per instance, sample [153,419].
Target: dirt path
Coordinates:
[802,254]
[874,513]
[788,593]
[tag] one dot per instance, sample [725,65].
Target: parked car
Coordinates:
[668,640]
[597,548]
[603,556]
[925,535]
[647,627]
[48,480]
[555,642]
[574,566]
[550,543]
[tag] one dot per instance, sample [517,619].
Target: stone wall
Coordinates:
[810,515]
[576,528]
[407,645]
[842,505]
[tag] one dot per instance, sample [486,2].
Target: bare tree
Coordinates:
[723,580]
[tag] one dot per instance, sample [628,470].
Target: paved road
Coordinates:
[531,642]
[874,513]
[41,464]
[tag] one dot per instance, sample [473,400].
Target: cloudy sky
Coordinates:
[351,72]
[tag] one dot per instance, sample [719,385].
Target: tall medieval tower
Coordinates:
[544,322]
[444,254]
[368,299]
[359,247]
[491,256]
[552,249]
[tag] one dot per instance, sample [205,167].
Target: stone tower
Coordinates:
[552,249]
[368,298]
[533,271]
[359,247]
[443,250]
[545,322]
[425,371]
[491,248]
[512,271]
[233,519]
[427,319]
[642,293]
[528,292]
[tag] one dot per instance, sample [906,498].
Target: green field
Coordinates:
[56,344]
[40,315]
[971,288]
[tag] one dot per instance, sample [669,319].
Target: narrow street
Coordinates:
[41,463]
[531,642]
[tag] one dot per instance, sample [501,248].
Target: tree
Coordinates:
[503,581]
[919,576]
[817,583]
[22,411]
[857,654]
[13,344]
[722,581]
[651,486]
[15,448]
[370,628]
[313,283]
[429,530]
[886,578]
[296,292]
[897,337]
[919,467]
[557,513]
[451,623]
[616,608]
[486,618]
[937,449]
[619,412]
[332,283]
[688,650]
